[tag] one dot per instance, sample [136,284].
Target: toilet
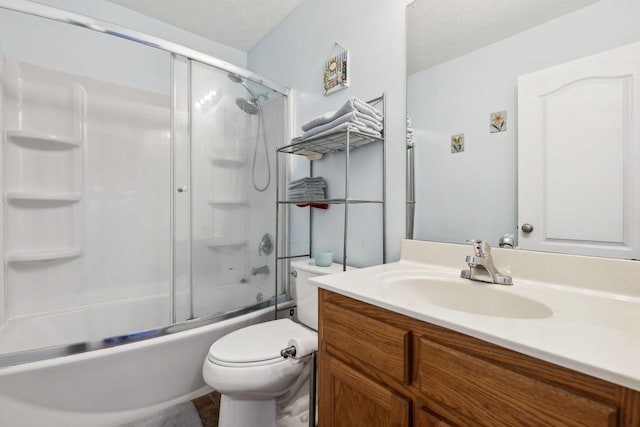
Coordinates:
[259,387]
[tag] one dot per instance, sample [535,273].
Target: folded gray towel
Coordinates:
[352,117]
[366,119]
[344,126]
[352,105]
[317,180]
[308,188]
[366,108]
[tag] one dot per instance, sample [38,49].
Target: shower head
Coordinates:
[249,106]
[234,77]
[252,107]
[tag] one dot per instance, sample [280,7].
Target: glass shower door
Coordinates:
[86,181]
[235,128]
[138,186]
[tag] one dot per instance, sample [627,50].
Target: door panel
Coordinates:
[577,156]
[358,400]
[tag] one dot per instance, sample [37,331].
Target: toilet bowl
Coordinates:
[259,387]
[248,365]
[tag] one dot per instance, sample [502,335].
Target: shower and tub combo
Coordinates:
[138,215]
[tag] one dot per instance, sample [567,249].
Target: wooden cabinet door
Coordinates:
[350,399]
[426,418]
[579,156]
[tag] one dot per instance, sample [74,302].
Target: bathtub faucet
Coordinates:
[260,270]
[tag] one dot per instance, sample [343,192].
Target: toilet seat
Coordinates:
[247,364]
[256,345]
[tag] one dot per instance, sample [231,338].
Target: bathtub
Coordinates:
[218,299]
[111,386]
[114,319]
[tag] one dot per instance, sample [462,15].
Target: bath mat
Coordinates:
[182,415]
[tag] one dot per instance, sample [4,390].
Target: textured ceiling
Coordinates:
[438,30]
[442,30]
[236,23]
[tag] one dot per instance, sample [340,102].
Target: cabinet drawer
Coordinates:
[379,345]
[490,395]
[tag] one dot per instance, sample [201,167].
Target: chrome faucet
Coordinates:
[481,266]
[260,270]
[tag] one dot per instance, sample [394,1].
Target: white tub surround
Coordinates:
[113,386]
[578,312]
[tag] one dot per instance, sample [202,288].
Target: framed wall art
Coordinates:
[336,70]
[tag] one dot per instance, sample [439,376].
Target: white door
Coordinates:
[579,156]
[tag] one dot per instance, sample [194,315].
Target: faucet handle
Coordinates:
[480,248]
[265,247]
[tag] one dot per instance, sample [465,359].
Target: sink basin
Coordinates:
[453,293]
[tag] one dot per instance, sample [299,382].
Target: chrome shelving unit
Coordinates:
[333,143]
[341,142]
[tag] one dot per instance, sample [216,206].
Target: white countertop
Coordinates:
[593,329]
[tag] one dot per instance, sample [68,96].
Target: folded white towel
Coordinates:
[352,105]
[366,108]
[366,119]
[341,127]
[359,120]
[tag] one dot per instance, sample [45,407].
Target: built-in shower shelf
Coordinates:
[41,196]
[228,203]
[228,162]
[42,141]
[226,243]
[48,255]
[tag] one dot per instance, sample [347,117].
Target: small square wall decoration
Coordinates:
[336,70]
[457,143]
[498,122]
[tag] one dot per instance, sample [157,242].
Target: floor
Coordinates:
[208,407]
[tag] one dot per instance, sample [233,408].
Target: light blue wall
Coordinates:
[293,55]
[474,194]
[107,11]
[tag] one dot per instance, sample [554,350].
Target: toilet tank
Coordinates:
[305,292]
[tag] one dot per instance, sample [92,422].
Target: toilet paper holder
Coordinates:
[298,348]
[290,353]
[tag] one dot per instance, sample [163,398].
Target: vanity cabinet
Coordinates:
[380,368]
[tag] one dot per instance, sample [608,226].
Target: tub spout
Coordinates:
[260,270]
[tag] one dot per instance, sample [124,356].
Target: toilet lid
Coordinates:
[256,343]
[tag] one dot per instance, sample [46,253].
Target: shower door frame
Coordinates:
[93,24]
[176,50]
